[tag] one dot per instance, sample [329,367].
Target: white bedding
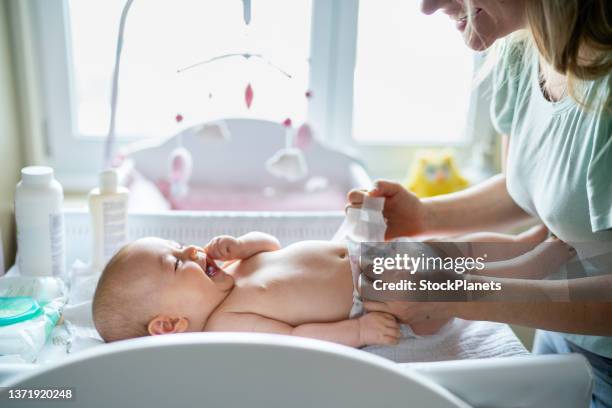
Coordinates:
[459,339]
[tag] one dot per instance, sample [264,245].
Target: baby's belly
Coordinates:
[306,282]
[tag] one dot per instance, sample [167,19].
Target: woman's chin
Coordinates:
[477,42]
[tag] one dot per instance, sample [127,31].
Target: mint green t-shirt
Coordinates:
[559,166]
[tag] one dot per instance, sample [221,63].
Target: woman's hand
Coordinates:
[403,211]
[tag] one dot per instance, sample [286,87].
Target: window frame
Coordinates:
[333,59]
[41,38]
[75,167]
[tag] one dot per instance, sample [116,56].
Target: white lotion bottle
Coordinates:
[108,211]
[40,223]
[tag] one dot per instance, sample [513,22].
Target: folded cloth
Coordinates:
[459,339]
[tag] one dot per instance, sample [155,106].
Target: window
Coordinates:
[381,72]
[413,76]
[162,37]
[377,71]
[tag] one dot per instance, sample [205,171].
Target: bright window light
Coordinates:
[412,78]
[164,36]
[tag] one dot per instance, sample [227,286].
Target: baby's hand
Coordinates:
[223,248]
[378,328]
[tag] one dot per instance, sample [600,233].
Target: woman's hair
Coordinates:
[574,37]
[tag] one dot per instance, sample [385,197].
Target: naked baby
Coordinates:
[153,286]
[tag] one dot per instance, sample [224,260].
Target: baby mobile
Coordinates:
[288,163]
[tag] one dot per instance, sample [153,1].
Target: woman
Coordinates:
[551,100]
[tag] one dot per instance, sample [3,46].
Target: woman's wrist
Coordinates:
[428,216]
[466,310]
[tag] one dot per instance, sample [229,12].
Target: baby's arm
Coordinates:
[228,248]
[369,329]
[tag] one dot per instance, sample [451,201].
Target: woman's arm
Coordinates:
[590,318]
[581,306]
[486,206]
[542,261]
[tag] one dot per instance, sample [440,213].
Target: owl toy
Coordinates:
[434,173]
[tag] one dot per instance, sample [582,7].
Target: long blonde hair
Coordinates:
[574,37]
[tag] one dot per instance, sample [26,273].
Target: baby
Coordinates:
[153,286]
[306,289]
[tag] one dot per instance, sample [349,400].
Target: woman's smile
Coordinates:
[483,21]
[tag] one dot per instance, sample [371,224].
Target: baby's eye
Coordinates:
[177,264]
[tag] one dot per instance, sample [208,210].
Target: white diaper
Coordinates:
[365,224]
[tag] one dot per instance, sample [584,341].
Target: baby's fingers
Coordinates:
[222,249]
[212,252]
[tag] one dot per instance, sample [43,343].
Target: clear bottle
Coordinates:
[108,211]
[40,223]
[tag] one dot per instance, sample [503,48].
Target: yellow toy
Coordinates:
[434,173]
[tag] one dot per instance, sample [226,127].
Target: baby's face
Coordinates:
[189,283]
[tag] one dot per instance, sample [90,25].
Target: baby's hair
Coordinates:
[119,308]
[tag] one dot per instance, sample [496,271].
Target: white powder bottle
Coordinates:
[108,211]
[40,223]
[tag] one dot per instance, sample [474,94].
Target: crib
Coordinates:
[229,171]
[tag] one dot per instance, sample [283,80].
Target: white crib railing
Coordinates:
[199,227]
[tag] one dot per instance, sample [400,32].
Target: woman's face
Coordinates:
[491,19]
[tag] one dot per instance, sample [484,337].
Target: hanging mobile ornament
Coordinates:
[180,166]
[248,96]
[288,163]
[246,11]
[303,137]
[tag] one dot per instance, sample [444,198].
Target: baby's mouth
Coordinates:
[211,268]
[207,264]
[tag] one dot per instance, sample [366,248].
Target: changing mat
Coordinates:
[459,339]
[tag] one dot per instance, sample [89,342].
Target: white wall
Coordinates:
[10,151]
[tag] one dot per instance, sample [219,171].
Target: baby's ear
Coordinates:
[164,324]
